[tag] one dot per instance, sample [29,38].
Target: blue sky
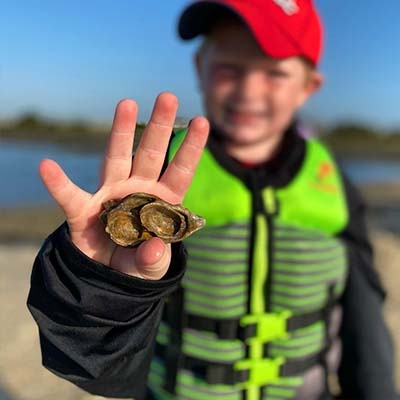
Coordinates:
[75,60]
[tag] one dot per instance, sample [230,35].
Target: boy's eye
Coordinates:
[225,71]
[277,73]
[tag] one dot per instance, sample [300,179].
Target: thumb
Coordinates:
[149,261]
[69,196]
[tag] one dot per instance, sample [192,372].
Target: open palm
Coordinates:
[122,175]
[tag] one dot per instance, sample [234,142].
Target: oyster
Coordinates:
[141,216]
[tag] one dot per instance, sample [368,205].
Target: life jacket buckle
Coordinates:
[260,372]
[269,326]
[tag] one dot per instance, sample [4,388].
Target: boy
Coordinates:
[278,281]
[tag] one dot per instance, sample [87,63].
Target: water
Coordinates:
[20,182]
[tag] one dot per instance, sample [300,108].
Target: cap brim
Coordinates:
[198,18]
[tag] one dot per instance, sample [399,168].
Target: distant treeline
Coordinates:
[359,140]
[344,139]
[31,127]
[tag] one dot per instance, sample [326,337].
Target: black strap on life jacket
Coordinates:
[232,329]
[220,373]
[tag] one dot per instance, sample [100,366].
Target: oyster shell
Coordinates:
[141,216]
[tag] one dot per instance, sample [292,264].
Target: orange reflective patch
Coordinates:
[324,170]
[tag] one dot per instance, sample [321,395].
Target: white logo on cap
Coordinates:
[290,7]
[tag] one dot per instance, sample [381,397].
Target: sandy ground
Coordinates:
[21,375]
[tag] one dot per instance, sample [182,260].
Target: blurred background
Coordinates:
[65,65]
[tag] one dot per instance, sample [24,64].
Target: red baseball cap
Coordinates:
[283,28]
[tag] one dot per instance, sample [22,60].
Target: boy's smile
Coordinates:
[249,97]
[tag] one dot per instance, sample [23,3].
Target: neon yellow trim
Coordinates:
[260,267]
[269,200]
[257,302]
[253,392]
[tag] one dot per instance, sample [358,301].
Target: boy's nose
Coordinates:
[252,83]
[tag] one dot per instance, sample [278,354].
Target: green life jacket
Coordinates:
[260,278]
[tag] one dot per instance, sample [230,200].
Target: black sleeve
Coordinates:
[97,325]
[366,370]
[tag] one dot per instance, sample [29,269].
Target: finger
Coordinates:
[149,261]
[179,173]
[150,154]
[118,157]
[69,196]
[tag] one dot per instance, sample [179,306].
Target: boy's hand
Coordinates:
[121,176]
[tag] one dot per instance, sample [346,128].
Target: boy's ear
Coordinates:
[314,82]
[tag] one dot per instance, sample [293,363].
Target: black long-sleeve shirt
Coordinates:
[97,325]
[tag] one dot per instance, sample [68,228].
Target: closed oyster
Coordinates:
[141,216]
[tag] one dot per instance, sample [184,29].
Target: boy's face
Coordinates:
[248,96]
